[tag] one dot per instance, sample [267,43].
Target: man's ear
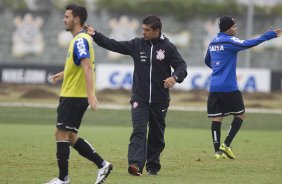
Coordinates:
[76,19]
[159,30]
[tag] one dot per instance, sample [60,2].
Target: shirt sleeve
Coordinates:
[245,44]
[122,47]
[208,59]
[81,50]
[179,65]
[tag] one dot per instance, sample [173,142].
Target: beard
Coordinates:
[69,27]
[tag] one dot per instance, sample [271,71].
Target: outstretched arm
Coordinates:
[122,47]
[265,37]
[245,44]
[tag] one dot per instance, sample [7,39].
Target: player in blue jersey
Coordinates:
[224,97]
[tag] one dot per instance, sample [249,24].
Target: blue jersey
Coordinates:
[221,57]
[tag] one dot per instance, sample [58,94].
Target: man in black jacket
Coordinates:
[153,57]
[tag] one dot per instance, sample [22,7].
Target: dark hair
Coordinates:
[78,11]
[153,21]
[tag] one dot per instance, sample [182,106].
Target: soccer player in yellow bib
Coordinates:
[76,94]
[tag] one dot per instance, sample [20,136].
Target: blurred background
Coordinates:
[33,42]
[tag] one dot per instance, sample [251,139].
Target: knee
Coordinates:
[217,119]
[241,116]
[61,135]
[73,138]
[140,128]
[57,135]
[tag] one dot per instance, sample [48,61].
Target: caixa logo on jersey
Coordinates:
[122,80]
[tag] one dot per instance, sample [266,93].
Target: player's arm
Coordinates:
[208,59]
[88,74]
[122,47]
[54,79]
[178,64]
[245,44]
[82,57]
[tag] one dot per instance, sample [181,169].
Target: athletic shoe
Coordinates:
[133,169]
[220,155]
[227,151]
[104,172]
[152,172]
[58,181]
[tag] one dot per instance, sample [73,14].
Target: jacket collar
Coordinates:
[223,34]
[162,38]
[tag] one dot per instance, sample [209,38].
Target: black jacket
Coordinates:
[153,60]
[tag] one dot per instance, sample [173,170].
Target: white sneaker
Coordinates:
[58,181]
[103,173]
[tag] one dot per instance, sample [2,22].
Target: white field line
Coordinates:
[124,107]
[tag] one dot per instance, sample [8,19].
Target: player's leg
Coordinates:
[234,128]
[79,144]
[62,140]
[137,146]
[63,153]
[156,142]
[216,132]
[234,105]
[83,147]
[215,112]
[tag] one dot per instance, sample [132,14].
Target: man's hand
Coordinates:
[57,77]
[278,32]
[169,82]
[89,30]
[93,102]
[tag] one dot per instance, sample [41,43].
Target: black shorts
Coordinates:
[225,103]
[70,112]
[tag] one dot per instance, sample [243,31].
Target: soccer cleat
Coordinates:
[58,181]
[220,155]
[133,169]
[227,151]
[103,173]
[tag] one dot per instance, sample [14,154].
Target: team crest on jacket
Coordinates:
[160,54]
[134,105]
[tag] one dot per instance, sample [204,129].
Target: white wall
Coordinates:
[117,76]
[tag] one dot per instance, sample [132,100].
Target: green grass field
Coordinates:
[28,149]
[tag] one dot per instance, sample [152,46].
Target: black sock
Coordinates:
[86,150]
[234,128]
[63,153]
[215,129]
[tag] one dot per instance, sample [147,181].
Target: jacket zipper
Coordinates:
[151,65]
